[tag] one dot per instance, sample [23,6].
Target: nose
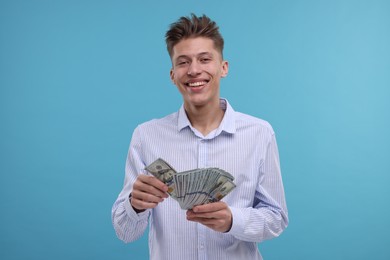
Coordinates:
[194,69]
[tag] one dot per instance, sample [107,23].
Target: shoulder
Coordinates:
[247,121]
[167,121]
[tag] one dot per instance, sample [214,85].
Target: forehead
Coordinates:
[194,46]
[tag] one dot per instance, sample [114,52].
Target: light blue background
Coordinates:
[76,77]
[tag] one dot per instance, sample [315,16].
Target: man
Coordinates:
[205,132]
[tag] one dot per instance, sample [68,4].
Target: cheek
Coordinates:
[175,76]
[176,81]
[213,69]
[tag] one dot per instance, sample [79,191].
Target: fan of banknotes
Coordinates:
[193,187]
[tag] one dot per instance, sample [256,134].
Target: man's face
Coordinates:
[197,68]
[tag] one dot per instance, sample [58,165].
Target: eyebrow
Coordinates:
[199,54]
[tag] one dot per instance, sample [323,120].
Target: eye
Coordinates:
[181,62]
[205,60]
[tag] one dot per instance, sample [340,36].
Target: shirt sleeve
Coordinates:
[129,225]
[268,217]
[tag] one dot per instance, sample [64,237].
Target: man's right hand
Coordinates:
[147,192]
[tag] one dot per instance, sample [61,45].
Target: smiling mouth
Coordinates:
[196,84]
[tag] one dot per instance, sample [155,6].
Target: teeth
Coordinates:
[196,84]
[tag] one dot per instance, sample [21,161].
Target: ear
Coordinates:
[225,68]
[172,75]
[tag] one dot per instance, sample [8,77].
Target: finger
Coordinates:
[192,214]
[224,213]
[151,185]
[214,215]
[153,181]
[209,221]
[211,207]
[142,205]
[147,197]
[215,224]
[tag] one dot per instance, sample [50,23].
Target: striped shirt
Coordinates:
[242,145]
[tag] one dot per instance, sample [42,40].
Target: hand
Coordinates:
[216,216]
[147,192]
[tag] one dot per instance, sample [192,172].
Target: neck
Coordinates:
[205,118]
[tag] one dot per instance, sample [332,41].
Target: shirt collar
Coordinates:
[228,123]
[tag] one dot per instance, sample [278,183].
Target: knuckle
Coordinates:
[135,202]
[149,197]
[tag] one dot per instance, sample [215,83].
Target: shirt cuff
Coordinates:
[238,224]
[134,215]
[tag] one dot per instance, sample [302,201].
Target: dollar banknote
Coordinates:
[164,172]
[193,187]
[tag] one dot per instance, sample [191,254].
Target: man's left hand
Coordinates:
[216,216]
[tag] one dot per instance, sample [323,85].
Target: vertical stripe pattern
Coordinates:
[243,145]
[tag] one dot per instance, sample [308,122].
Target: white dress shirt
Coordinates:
[244,146]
